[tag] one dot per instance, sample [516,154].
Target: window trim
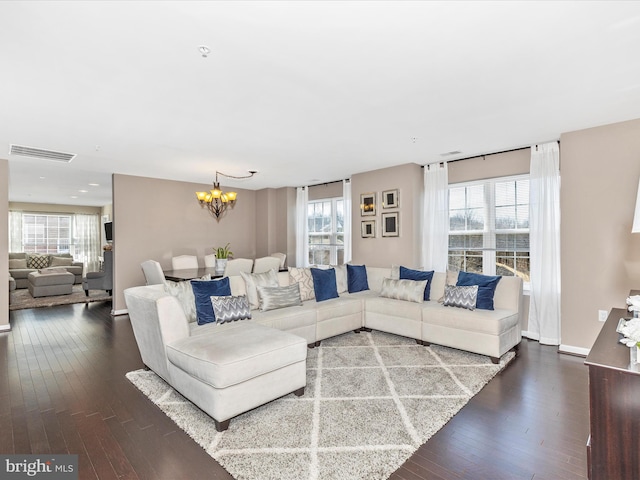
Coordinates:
[489,233]
[333,244]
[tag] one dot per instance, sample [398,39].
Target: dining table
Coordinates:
[184,274]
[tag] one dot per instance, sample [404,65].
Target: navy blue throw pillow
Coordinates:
[357,278]
[324,283]
[419,275]
[486,287]
[203,290]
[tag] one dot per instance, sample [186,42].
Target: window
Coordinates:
[46,233]
[326,231]
[489,227]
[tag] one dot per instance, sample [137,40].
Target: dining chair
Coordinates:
[210,260]
[153,273]
[237,265]
[264,264]
[184,261]
[281,256]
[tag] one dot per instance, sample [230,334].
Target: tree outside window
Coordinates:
[489,227]
[326,231]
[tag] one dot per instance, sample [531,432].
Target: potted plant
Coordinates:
[222,255]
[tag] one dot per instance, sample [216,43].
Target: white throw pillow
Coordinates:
[252,280]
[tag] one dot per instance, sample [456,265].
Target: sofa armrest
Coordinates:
[157,319]
[95,275]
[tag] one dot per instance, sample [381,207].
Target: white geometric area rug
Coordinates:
[371,400]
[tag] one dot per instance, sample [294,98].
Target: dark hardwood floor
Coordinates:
[63,390]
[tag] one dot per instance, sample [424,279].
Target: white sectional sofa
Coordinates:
[164,335]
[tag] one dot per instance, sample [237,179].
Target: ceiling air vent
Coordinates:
[453,152]
[41,153]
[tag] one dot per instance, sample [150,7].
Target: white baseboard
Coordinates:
[5,328]
[583,352]
[115,313]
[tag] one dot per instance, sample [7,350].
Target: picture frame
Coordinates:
[367,204]
[368,228]
[390,225]
[390,198]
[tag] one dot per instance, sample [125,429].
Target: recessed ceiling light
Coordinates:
[42,178]
[74,196]
[204,50]
[94,184]
[83,191]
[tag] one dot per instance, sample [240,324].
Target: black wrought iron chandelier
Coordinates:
[217,201]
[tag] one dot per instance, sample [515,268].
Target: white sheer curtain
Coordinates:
[86,240]
[302,246]
[544,241]
[15,232]
[435,228]
[346,195]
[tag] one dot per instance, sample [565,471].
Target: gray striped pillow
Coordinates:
[409,290]
[458,296]
[231,308]
[279,297]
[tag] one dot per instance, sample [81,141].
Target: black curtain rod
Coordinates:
[484,155]
[328,183]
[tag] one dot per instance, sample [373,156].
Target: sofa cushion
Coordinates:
[410,274]
[490,322]
[252,280]
[304,278]
[203,290]
[231,308]
[486,287]
[60,261]
[461,296]
[183,291]
[237,352]
[37,261]
[17,263]
[272,298]
[324,283]
[357,278]
[407,290]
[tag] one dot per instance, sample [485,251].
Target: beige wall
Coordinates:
[385,251]
[4,244]
[600,168]
[158,219]
[495,165]
[326,190]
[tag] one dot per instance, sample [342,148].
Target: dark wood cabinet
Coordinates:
[613,449]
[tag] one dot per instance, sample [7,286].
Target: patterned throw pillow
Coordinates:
[203,291]
[463,297]
[253,280]
[303,277]
[408,290]
[36,260]
[272,298]
[230,308]
[486,287]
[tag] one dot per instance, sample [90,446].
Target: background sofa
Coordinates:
[22,264]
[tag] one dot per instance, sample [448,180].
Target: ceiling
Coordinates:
[302,92]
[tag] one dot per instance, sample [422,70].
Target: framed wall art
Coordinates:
[368,204]
[390,227]
[368,228]
[390,199]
